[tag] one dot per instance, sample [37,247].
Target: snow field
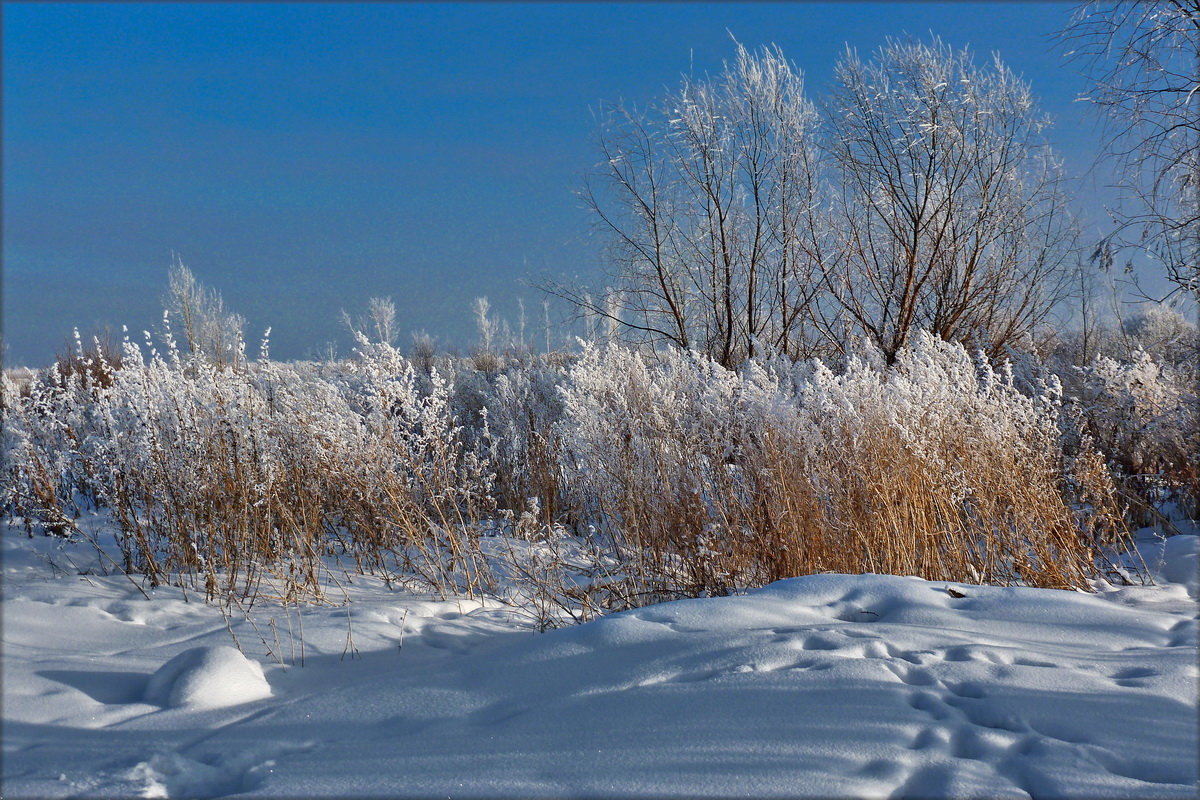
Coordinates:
[826,685]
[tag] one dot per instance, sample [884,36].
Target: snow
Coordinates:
[825,685]
[207,677]
[1180,563]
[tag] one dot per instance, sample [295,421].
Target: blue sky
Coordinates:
[302,158]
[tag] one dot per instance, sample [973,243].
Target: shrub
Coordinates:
[1144,416]
[705,480]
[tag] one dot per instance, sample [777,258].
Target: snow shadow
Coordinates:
[110,688]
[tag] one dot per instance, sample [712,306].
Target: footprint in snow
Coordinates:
[821,642]
[912,676]
[1133,677]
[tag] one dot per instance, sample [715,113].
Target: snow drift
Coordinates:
[207,677]
[821,686]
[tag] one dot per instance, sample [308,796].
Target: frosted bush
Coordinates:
[1144,415]
[246,474]
[522,408]
[1165,334]
[710,479]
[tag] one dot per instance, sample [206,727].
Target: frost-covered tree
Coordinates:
[743,223]
[1144,61]
[212,332]
[1165,334]
[707,199]
[485,323]
[382,312]
[379,323]
[948,208]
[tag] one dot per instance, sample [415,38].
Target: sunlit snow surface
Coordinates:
[829,685]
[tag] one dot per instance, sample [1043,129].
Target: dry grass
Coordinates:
[239,481]
[930,470]
[669,478]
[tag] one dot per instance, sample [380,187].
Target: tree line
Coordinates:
[919,193]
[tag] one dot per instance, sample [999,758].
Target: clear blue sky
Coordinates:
[302,158]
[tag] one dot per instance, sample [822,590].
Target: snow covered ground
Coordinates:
[828,685]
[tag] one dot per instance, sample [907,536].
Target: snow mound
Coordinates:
[1181,562]
[207,677]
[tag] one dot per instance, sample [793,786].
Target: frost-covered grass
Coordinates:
[938,466]
[603,480]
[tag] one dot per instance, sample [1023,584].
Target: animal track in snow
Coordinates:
[173,774]
[911,675]
[821,641]
[970,689]
[928,739]
[1133,677]
[1033,662]
[929,703]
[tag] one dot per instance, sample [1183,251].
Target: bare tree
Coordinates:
[707,200]
[948,210]
[211,331]
[486,324]
[1144,60]
[379,322]
[742,222]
